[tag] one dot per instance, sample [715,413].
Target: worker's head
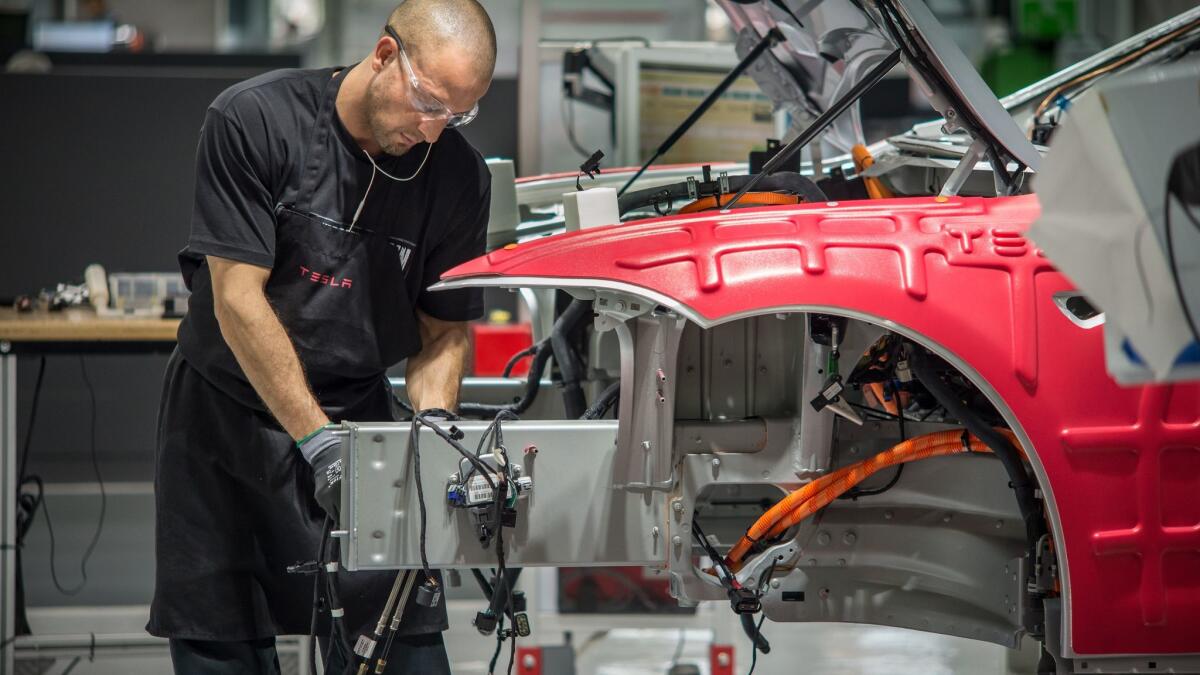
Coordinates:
[431,65]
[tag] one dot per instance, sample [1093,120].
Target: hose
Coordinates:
[782,181]
[532,385]
[821,492]
[574,401]
[1001,444]
[603,402]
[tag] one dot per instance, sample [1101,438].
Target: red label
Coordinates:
[330,280]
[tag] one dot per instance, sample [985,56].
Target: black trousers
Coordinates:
[425,654]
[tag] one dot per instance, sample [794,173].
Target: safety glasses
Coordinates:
[421,100]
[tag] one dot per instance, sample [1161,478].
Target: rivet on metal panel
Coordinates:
[654,532]
[619,305]
[377,534]
[888,515]
[378,438]
[677,505]
[645,445]
[823,538]
[849,538]
[716,462]
[775,583]
[999,524]
[677,540]
[661,399]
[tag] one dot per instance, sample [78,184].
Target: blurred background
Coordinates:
[100,105]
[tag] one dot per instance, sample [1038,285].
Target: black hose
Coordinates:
[603,402]
[782,181]
[569,368]
[1022,484]
[755,635]
[533,382]
[558,346]
[1004,450]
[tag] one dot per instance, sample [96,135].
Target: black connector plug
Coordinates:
[744,600]
[429,594]
[485,622]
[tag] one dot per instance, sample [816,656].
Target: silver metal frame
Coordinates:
[8,503]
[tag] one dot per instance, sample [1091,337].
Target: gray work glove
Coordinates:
[323,451]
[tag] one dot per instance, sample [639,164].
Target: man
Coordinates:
[327,201]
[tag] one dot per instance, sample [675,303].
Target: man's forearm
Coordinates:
[267,357]
[434,375]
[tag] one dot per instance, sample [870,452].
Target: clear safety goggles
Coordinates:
[421,100]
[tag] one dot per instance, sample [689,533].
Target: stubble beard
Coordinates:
[379,131]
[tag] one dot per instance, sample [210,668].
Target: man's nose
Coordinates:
[431,129]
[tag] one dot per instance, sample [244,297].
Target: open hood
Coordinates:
[831,44]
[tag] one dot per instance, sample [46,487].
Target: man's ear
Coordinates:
[385,51]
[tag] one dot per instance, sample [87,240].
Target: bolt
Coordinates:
[775,583]
[677,506]
[750,581]
[378,438]
[654,532]
[888,515]
[841,562]
[661,399]
[823,538]
[528,662]
[377,534]
[645,445]
[662,377]
[950,113]
[849,538]
[677,540]
[716,462]
[530,449]
[619,305]
[999,524]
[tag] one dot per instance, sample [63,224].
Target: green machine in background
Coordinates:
[1037,26]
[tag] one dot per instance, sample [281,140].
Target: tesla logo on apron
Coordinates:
[330,280]
[404,251]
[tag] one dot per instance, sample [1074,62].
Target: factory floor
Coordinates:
[612,645]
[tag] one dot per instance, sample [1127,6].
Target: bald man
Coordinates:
[327,201]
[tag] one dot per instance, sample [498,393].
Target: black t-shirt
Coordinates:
[278,182]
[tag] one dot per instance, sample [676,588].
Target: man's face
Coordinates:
[401,115]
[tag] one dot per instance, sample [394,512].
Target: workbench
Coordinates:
[70,331]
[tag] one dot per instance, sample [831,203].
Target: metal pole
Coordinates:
[8,503]
[826,118]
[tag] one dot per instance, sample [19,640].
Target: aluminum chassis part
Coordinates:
[931,554]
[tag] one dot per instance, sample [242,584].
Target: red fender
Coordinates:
[1121,464]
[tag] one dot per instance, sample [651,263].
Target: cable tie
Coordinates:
[331,567]
[337,612]
[966,441]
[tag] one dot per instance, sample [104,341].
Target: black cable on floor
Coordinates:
[91,547]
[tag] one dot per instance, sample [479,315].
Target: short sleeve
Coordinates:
[233,216]
[467,241]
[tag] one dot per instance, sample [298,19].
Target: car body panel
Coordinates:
[1119,465]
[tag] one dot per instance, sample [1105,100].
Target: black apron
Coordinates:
[233,494]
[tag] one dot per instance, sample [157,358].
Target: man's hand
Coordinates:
[323,450]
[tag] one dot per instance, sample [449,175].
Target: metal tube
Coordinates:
[825,119]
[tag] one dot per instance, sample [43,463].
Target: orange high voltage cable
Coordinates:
[821,492]
[863,161]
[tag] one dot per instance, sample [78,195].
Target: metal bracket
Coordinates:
[613,309]
[966,165]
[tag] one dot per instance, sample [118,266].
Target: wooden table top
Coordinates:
[81,324]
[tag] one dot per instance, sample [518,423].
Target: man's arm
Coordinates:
[261,345]
[433,375]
